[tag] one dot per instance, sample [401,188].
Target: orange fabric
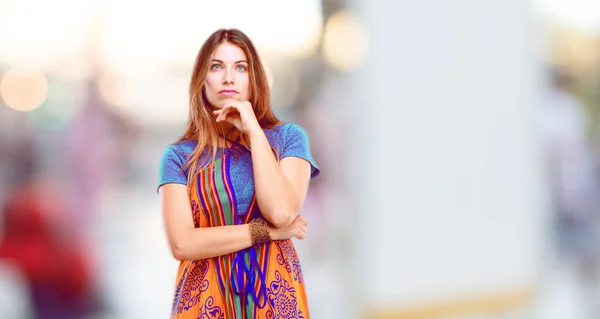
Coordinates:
[259,282]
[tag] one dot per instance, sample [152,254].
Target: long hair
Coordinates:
[201,124]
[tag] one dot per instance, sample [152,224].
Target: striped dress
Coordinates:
[263,281]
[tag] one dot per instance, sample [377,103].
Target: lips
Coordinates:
[228,92]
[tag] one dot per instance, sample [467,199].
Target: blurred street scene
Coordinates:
[459,146]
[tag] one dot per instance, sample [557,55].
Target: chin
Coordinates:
[230,99]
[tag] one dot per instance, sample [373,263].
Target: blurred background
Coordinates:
[459,144]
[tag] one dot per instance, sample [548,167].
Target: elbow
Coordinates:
[179,251]
[283,214]
[179,254]
[283,219]
[280,223]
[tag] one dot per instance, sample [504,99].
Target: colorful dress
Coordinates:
[263,281]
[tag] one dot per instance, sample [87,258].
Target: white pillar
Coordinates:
[452,200]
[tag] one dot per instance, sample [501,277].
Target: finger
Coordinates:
[302,235]
[232,108]
[229,111]
[228,106]
[224,112]
[218,113]
[224,115]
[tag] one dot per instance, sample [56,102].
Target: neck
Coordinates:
[226,127]
[228,133]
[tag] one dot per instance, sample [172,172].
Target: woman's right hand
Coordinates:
[297,228]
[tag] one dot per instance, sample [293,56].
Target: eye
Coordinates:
[216,67]
[241,67]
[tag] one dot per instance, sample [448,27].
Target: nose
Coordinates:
[228,76]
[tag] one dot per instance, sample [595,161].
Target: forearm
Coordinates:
[275,195]
[207,242]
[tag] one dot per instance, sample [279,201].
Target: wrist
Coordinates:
[256,132]
[259,231]
[274,233]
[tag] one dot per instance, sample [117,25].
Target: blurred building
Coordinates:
[435,200]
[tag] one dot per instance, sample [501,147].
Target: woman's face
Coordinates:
[227,78]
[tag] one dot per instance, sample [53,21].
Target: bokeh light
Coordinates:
[57,111]
[291,29]
[42,33]
[23,89]
[112,90]
[345,41]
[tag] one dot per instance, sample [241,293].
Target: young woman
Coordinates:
[231,190]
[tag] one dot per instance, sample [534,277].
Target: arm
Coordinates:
[280,188]
[189,243]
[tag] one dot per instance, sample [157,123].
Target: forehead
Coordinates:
[228,52]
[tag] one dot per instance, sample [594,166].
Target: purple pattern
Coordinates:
[288,140]
[190,286]
[282,298]
[196,213]
[208,311]
[288,258]
[199,190]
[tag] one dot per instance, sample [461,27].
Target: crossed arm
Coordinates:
[280,191]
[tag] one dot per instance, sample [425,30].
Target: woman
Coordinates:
[231,189]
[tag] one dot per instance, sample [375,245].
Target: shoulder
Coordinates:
[292,136]
[178,152]
[185,146]
[182,148]
[296,144]
[294,130]
[286,131]
[172,163]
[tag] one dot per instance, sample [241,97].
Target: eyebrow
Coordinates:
[217,60]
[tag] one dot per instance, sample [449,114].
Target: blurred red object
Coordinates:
[37,238]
